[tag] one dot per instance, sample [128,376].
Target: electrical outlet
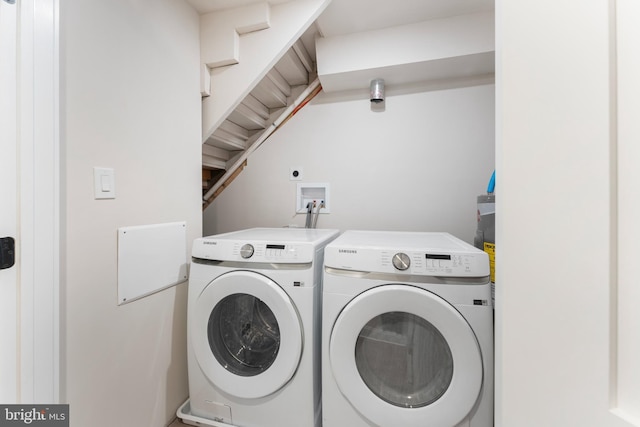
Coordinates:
[295,174]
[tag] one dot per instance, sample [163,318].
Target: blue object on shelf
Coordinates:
[492,183]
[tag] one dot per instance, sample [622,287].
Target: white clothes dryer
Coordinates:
[254,308]
[407,332]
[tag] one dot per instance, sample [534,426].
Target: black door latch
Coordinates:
[7,252]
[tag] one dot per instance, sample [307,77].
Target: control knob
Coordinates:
[401,261]
[246,251]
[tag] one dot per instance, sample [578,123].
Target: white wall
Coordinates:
[418,165]
[556,290]
[130,90]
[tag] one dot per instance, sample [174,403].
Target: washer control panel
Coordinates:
[266,252]
[264,245]
[253,251]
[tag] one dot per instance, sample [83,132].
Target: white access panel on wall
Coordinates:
[150,258]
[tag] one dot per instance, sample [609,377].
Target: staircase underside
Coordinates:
[275,97]
[459,50]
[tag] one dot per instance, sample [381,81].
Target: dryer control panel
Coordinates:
[435,264]
[431,254]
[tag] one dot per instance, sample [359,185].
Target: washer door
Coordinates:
[404,356]
[247,335]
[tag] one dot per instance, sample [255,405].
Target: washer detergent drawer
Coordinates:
[398,352]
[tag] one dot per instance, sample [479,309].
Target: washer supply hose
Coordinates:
[315,219]
[307,223]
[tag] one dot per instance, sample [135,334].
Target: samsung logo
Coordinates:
[208,242]
[347,251]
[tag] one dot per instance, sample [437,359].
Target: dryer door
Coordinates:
[246,334]
[403,356]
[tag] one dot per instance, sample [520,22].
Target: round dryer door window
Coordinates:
[404,359]
[246,334]
[403,355]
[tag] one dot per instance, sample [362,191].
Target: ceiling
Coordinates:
[352,16]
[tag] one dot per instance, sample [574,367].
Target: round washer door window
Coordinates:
[246,334]
[399,352]
[243,334]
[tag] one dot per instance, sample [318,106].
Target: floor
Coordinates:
[177,423]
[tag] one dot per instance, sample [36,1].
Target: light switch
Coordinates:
[104,183]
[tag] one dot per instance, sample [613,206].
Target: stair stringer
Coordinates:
[259,52]
[240,161]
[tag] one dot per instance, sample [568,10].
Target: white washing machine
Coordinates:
[254,309]
[407,332]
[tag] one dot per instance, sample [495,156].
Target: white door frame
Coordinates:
[625,293]
[39,207]
[8,195]
[566,96]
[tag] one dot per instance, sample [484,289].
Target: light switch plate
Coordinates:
[104,183]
